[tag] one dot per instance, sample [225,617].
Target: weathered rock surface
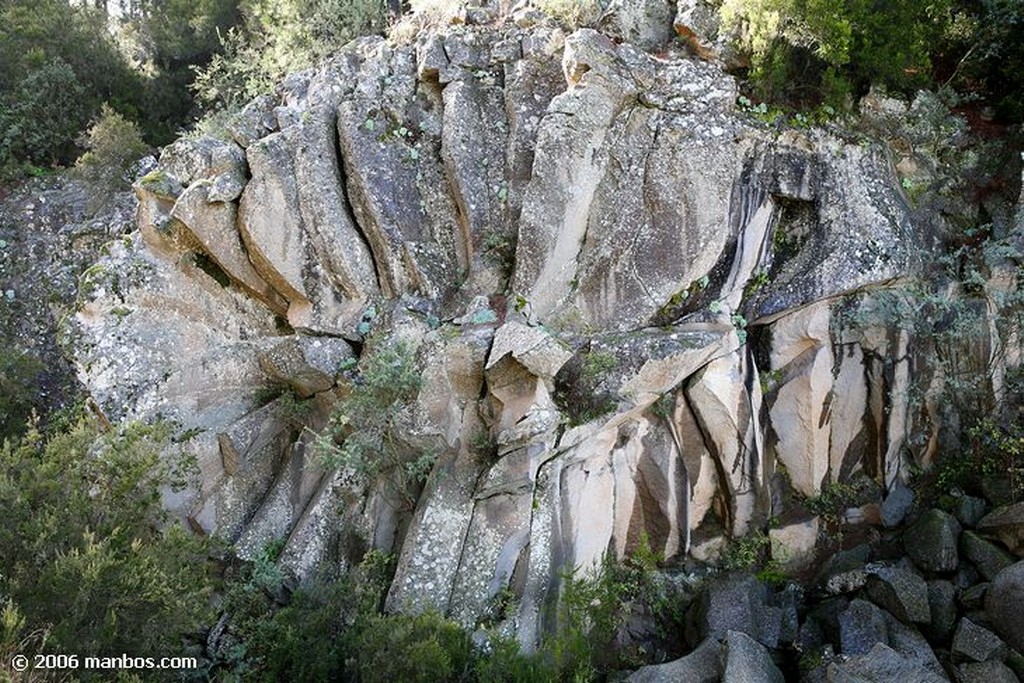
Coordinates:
[1004,603]
[988,558]
[703,665]
[900,591]
[629,306]
[931,541]
[748,661]
[972,642]
[1006,524]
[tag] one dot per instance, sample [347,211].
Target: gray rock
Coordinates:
[972,642]
[986,557]
[987,672]
[966,576]
[908,642]
[861,626]
[703,665]
[737,602]
[903,593]
[747,661]
[969,510]
[931,541]
[897,504]
[942,606]
[645,23]
[1004,605]
[881,665]
[255,121]
[845,571]
[1006,524]
[308,365]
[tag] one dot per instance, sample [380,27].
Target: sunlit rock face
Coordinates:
[637,313]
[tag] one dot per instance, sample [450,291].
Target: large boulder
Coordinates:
[1006,524]
[748,661]
[1004,604]
[988,558]
[882,664]
[900,591]
[974,643]
[703,665]
[741,603]
[931,541]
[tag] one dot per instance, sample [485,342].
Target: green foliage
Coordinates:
[307,635]
[748,553]
[19,376]
[594,606]
[993,450]
[571,13]
[42,115]
[832,502]
[988,37]
[89,562]
[277,37]
[415,648]
[581,386]
[360,436]
[61,61]
[113,145]
[810,51]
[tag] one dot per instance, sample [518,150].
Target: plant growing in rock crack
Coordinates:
[361,435]
[831,504]
[752,553]
[595,604]
[578,387]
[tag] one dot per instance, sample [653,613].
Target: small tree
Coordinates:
[40,119]
[89,565]
[113,145]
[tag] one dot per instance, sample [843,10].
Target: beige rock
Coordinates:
[211,226]
[540,353]
[793,545]
[728,417]
[801,411]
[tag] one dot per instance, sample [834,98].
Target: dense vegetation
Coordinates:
[164,64]
[148,61]
[807,52]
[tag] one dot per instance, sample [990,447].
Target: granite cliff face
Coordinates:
[637,312]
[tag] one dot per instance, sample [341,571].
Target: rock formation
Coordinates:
[637,311]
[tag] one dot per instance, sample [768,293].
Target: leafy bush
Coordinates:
[572,13]
[19,373]
[89,564]
[277,37]
[40,119]
[415,648]
[809,51]
[114,144]
[360,436]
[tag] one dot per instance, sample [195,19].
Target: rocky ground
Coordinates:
[936,598]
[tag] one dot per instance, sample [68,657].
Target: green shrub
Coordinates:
[416,648]
[89,562]
[277,37]
[809,51]
[19,375]
[40,119]
[360,436]
[113,145]
[571,13]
